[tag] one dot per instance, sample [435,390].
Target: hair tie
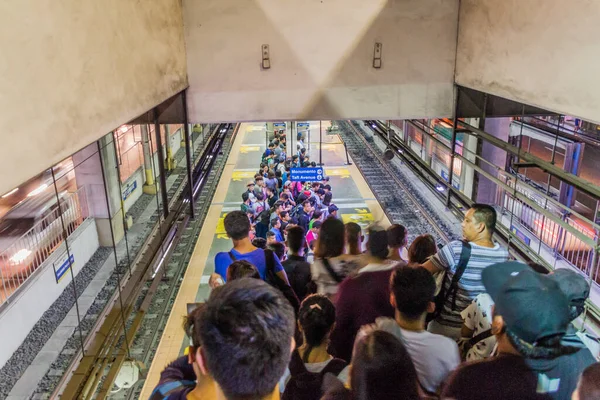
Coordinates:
[315,306]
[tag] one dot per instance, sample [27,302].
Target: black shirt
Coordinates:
[298,273]
[504,377]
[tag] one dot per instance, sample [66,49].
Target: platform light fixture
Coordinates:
[39,190]
[15,190]
[377,55]
[266,58]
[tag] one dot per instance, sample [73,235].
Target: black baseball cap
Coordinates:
[532,305]
[572,284]
[333,208]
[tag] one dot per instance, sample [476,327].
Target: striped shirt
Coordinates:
[470,284]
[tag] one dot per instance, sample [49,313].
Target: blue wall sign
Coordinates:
[129,188]
[520,234]
[279,125]
[306,174]
[62,266]
[445,177]
[303,126]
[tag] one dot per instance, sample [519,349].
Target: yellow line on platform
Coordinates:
[173,335]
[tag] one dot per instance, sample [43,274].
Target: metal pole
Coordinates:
[347,158]
[453,144]
[291,139]
[388,132]
[114,246]
[308,145]
[320,143]
[65,236]
[161,166]
[122,201]
[188,153]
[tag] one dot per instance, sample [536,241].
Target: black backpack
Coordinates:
[307,385]
[444,294]
[295,212]
[265,215]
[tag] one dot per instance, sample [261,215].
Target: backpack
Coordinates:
[294,213]
[307,385]
[265,216]
[443,295]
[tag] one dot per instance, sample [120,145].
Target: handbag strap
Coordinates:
[331,272]
[479,337]
[465,255]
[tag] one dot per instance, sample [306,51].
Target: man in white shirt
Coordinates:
[434,356]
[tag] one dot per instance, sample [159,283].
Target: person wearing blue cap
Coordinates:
[531,317]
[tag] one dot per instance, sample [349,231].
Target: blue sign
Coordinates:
[129,189]
[306,174]
[303,126]
[279,125]
[64,264]
[445,176]
[518,233]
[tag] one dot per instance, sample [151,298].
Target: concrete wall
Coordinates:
[41,290]
[541,52]
[73,70]
[321,59]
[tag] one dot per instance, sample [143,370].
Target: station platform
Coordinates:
[351,194]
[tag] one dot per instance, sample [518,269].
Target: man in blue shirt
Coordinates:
[237,227]
[276,229]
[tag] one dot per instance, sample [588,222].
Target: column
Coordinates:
[291,140]
[169,160]
[270,131]
[572,162]
[495,157]
[88,173]
[149,184]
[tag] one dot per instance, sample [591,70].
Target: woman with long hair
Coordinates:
[381,369]
[331,266]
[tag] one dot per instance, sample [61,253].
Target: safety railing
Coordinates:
[27,253]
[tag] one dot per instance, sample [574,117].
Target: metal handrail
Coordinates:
[26,254]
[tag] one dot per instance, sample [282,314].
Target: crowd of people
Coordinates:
[303,307]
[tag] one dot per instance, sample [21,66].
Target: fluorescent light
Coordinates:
[20,256]
[11,192]
[39,190]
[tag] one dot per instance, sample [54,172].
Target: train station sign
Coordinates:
[306,174]
[61,266]
[303,126]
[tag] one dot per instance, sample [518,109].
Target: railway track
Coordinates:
[147,295]
[400,202]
